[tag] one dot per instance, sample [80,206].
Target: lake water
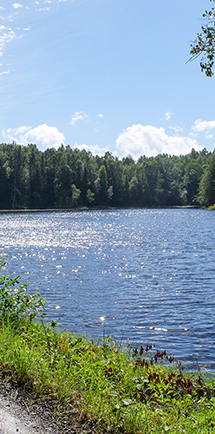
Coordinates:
[149,273]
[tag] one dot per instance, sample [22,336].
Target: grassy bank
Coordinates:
[119,390]
[212,207]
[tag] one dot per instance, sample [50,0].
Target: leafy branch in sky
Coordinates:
[205,43]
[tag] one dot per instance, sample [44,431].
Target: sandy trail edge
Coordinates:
[19,413]
[14,418]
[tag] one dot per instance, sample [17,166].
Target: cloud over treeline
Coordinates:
[43,135]
[150,141]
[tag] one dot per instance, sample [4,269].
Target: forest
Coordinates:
[69,178]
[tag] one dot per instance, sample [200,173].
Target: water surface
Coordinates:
[149,273]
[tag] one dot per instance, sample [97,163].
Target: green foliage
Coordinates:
[205,44]
[119,391]
[192,177]
[90,196]
[15,303]
[70,178]
[207,184]
[75,195]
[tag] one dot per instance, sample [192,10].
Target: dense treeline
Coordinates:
[68,177]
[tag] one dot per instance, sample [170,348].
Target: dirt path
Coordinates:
[21,414]
[17,417]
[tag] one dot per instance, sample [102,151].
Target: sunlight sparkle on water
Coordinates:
[90,261]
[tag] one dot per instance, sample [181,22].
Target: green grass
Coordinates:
[212,207]
[120,390]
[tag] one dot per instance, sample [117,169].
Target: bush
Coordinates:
[15,303]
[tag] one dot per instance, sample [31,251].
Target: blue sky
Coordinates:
[104,75]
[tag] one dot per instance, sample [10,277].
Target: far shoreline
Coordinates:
[40,210]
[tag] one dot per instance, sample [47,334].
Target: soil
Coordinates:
[24,414]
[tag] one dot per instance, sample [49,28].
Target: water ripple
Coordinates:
[149,273]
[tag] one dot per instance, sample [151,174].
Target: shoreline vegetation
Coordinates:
[67,177]
[212,207]
[97,384]
[107,208]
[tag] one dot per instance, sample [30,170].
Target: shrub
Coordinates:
[15,303]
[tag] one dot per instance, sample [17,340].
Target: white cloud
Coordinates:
[150,141]
[168,116]
[7,34]
[208,135]
[5,38]
[17,5]
[177,129]
[96,150]
[78,116]
[44,136]
[200,125]
[4,72]
[100,115]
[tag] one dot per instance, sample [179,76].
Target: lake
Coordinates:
[149,272]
